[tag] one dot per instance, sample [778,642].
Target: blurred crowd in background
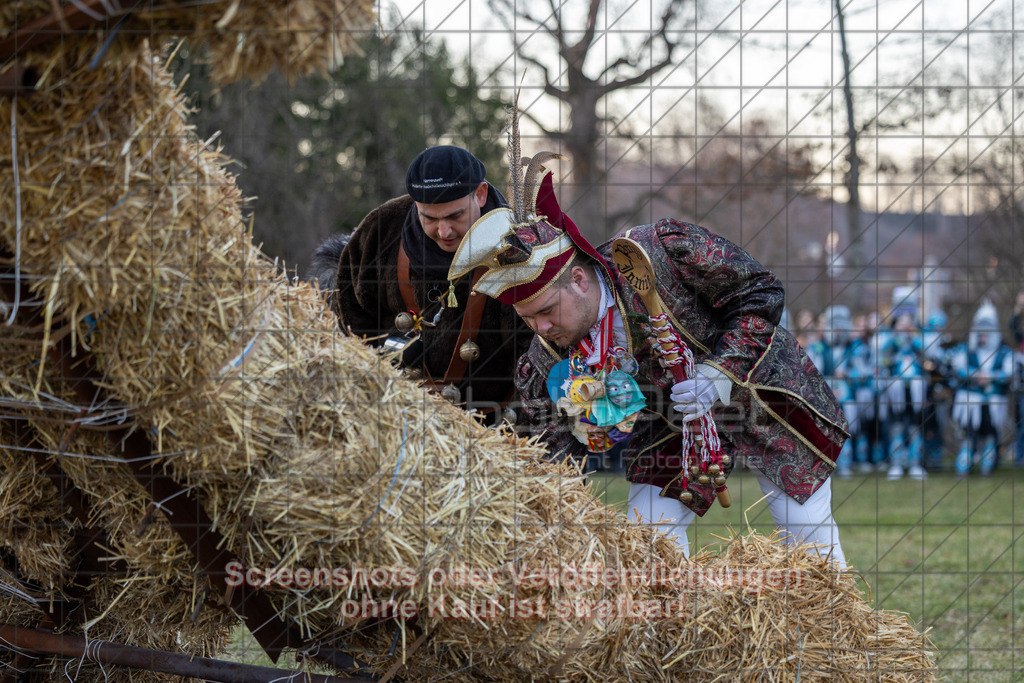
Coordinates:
[917,400]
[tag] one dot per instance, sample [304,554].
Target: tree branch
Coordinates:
[635,80]
[548,133]
[587,40]
[549,87]
[557,33]
[667,18]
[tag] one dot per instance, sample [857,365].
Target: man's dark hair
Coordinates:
[564,278]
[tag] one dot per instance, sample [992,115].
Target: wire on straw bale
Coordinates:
[310,452]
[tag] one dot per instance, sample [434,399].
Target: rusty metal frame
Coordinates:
[107,652]
[89,542]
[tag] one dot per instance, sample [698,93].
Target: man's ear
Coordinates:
[480,194]
[581,278]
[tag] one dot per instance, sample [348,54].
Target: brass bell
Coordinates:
[704,480]
[720,480]
[469,351]
[713,468]
[451,393]
[404,321]
[694,469]
[685,496]
[509,415]
[726,460]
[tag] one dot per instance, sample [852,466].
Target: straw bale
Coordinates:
[32,523]
[240,39]
[308,450]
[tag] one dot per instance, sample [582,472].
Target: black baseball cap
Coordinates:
[443,174]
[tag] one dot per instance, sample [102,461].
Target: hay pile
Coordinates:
[240,39]
[309,452]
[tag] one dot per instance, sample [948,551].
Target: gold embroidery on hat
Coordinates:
[501,278]
[550,282]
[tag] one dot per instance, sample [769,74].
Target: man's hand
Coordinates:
[694,397]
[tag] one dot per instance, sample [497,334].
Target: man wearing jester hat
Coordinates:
[743,385]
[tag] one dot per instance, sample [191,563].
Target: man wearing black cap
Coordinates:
[390,282]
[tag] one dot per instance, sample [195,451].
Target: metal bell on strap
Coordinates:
[404,321]
[469,351]
[451,393]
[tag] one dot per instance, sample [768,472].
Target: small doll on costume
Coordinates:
[605,411]
[619,406]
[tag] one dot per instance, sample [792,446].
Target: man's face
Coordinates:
[563,315]
[448,223]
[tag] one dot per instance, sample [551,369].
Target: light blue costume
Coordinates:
[833,355]
[872,413]
[983,368]
[904,394]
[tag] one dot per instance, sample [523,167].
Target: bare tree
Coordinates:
[854,253]
[991,165]
[971,99]
[582,85]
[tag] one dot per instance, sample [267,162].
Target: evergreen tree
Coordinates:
[319,153]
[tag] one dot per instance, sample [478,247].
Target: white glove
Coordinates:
[694,397]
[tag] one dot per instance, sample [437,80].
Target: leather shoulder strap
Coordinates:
[404,283]
[470,327]
[471,319]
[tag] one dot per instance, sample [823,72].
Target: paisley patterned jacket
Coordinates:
[782,418]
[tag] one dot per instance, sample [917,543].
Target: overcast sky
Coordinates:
[775,59]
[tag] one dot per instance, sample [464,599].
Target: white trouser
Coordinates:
[811,522]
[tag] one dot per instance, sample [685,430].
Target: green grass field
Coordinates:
[949,552]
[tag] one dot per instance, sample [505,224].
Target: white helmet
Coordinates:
[986,322]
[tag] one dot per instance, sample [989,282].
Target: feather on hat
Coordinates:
[526,246]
